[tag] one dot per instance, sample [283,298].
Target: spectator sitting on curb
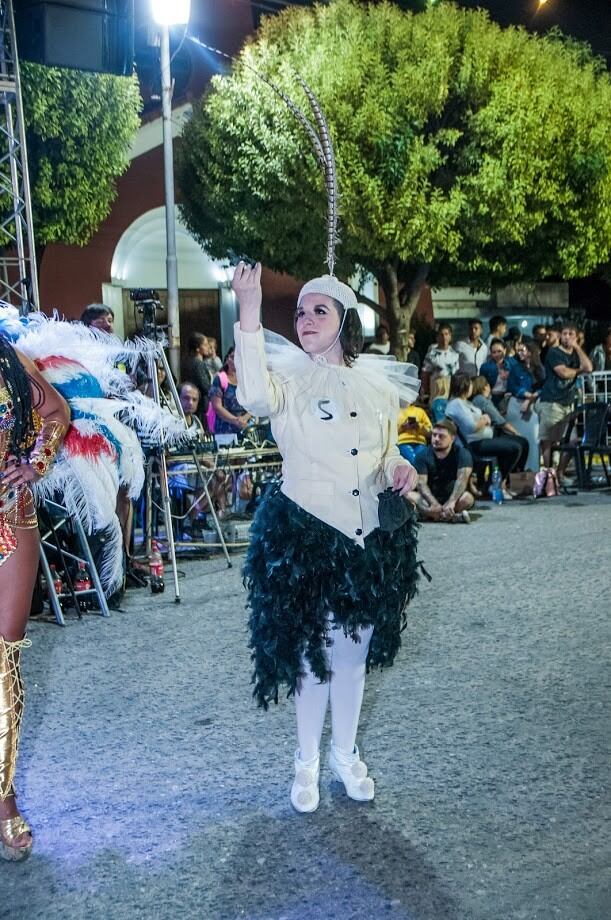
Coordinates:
[480,397]
[414,429]
[185,481]
[476,431]
[444,470]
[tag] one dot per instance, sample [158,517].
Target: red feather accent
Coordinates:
[56,361]
[88,445]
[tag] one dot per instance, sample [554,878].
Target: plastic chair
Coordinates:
[593,441]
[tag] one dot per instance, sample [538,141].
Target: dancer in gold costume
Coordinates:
[33,421]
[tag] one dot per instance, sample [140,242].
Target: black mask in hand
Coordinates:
[393,510]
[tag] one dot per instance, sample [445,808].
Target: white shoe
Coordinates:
[304,791]
[350,770]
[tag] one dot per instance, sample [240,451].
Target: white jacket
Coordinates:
[336,429]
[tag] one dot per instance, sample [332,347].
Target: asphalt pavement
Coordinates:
[157,790]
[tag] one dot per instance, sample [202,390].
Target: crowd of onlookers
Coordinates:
[487,404]
[502,402]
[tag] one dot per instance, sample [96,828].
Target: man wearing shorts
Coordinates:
[563,365]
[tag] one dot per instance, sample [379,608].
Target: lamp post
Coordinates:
[167,13]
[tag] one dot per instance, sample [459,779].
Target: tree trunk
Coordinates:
[400,304]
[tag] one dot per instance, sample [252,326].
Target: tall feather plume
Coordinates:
[303,119]
[330,174]
[321,142]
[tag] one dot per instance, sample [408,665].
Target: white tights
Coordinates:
[346,661]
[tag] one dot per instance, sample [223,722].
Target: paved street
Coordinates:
[157,790]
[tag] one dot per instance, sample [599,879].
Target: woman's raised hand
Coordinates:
[247,287]
[405,479]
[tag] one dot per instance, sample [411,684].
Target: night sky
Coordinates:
[588,20]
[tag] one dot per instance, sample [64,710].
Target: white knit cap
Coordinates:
[329,285]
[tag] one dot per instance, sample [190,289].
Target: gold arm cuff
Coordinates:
[47,444]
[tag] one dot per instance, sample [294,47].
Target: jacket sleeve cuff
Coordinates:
[392,464]
[257,392]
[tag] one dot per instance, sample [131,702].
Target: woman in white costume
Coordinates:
[327,585]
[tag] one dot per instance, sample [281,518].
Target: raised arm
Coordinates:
[257,390]
[247,286]
[570,373]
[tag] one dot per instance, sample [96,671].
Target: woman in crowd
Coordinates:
[512,341]
[476,429]
[526,376]
[230,416]
[480,397]
[195,369]
[496,370]
[440,392]
[327,586]
[33,421]
[414,432]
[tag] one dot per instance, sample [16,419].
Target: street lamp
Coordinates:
[167,13]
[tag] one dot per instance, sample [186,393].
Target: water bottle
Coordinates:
[56,580]
[82,582]
[156,569]
[56,585]
[496,486]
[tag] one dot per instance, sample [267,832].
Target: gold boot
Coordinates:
[11,709]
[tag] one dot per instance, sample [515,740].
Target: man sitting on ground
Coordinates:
[444,470]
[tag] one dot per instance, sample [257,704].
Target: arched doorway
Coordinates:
[139,262]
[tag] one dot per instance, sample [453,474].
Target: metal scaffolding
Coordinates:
[18,273]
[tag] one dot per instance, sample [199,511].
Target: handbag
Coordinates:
[546,484]
[522,484]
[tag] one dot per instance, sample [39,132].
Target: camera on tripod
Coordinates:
[146,301]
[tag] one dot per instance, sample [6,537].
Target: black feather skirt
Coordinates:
[298,569]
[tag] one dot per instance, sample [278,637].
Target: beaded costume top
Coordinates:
[17,507]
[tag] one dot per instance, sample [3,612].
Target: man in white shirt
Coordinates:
[473,351]
[441,360]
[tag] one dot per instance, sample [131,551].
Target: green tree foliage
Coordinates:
[79,127]
[467,153]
